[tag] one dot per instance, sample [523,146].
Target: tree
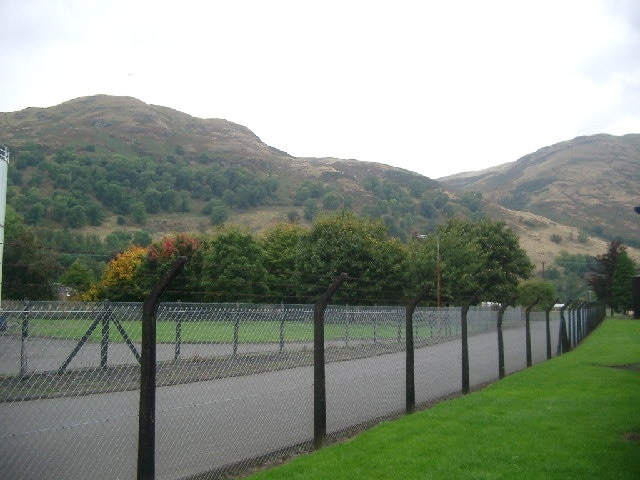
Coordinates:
[139,213]
[152,200]
[572,283]
[556,238]
[76,217]
[536,291]
[116,241]
[217,210]
[94,212]
[332,201]
[621,283]
[120,281]
[600,278]
[427,208]
[488,262]
[28,268]
[453,254]
[279,244]
[472,200]
[344,242]
[78,276]
[482,255]
[163,254]
[293,216]
[310,209]
[233,268]
[388,273]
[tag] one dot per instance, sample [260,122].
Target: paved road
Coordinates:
[48,354]
[204,425]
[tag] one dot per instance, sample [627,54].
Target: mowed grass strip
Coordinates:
[206,331]
[574,417]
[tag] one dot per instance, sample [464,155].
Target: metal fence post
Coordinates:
[319,385]
[503,307]
[563,337]
[410,390]
[23,340]
[528,330]
[465,340]
[282,318]
[571,329]
[465,348]
[236,331]
[104,338]
[375,330]
[347,322]
[178,344]
[635,295]
[147,411]
[548,327]
[579,323]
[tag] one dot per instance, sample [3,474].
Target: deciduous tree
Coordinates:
[120,280]
[28,268]
[344,242]
[621,283]
[482,255]
[541,292]
[279,244]
[233,268]
[600,278]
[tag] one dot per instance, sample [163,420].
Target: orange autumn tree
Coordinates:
[160,257]
[120,280]
[131,274]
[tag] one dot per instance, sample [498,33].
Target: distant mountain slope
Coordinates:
[589,183]
[142,128]
[106,162]
[101,164]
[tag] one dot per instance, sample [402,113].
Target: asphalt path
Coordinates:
[205,425]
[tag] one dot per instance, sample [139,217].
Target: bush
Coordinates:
[555,238]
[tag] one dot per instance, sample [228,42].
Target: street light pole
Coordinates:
[4,166]
[635,288]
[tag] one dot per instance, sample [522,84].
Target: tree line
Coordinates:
[294,264]
[75,188]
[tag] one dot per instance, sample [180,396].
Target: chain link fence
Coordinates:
[235,381]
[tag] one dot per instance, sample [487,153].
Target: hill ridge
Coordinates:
[103,129]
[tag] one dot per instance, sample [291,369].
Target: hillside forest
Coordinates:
[99,179]
[74,188]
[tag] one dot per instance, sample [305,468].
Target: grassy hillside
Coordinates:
[102,164]
[588,183]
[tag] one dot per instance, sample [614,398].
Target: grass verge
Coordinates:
[573,417]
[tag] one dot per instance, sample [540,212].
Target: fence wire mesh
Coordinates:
[235,381]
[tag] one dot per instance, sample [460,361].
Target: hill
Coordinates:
[106,164]
[588,183]
[99,163]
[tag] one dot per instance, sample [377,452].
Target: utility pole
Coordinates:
[4,167]
[635,286]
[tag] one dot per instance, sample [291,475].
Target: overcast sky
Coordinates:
[436,87]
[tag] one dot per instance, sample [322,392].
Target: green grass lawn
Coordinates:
[568,418]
